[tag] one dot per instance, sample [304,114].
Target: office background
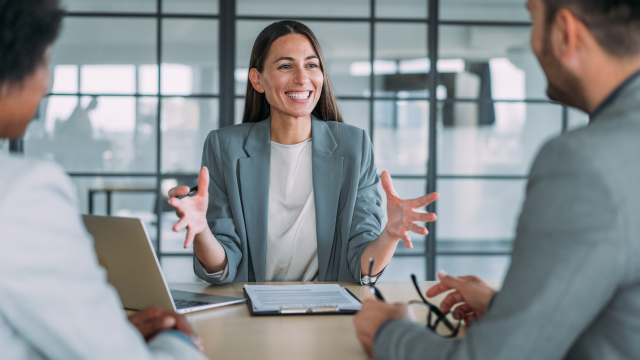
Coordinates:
[138,84]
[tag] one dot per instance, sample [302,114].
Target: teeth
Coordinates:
[299,95]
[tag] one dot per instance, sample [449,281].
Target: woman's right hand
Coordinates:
[192,210]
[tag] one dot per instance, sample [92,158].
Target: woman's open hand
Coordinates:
[403,213]
[192,210]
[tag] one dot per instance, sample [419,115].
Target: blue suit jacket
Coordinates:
[345,185]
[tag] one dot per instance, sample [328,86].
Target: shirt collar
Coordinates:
[612,96]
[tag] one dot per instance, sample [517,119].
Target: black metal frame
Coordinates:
[227,21]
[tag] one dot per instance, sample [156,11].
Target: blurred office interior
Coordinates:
[138,84]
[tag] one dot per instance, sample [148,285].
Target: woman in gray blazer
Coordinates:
[291,194]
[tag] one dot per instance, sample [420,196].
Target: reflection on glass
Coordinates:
[148,79]
[110,5]
[105,79]
[494,138]
[104,47]
[113,134]
[340,53]
[65,79]
[407,189]
[190,57]
[401,64]
[475,10]
[484,267]
[484,210]
[185,125]
[130,197]
[400,268]
[489,62]
[306,8]
[401,135]
[190,6]
[108,79]
[402,9]
[356,113]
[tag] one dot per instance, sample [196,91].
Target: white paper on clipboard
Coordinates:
[275,297]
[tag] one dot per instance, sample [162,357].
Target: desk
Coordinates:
[231,333]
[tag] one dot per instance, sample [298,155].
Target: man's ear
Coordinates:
[254,77]
[567,35]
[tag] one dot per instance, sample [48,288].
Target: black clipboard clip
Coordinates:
[309,309]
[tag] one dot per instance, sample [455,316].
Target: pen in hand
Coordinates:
[192,192]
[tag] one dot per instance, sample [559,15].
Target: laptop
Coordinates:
[125,251]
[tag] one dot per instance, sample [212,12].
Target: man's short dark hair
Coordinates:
[27,28]
[614,23]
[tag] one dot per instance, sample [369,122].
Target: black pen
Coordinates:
[192,191]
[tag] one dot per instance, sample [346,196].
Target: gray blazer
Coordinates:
[345,186]
[573,288]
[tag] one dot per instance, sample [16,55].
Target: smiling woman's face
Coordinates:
[291,78]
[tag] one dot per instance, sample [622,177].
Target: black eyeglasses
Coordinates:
[436,319]
[372,287]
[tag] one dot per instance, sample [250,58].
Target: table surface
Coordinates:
[230,332]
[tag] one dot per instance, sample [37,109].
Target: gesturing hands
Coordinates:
[154,319]
[403,213]
[192,210]
[472,295]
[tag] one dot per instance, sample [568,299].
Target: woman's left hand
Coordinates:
[403,213]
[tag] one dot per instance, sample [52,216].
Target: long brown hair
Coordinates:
[256,107]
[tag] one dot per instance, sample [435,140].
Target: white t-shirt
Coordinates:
[292,248]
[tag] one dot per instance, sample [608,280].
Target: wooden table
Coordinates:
[231,333]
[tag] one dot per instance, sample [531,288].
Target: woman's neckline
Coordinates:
[290,146]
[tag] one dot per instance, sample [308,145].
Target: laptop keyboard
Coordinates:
[183,304]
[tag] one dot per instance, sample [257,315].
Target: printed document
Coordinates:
[274,297]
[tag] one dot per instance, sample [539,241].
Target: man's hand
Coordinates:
[154,319]
[471,296]
[372,315]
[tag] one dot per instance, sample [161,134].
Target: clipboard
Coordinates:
[301,310]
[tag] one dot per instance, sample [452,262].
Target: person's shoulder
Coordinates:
[605,147]
[337,127]
[22,172]
[234,130]
[231,134]
[18,169]
[348,135]
[560,150]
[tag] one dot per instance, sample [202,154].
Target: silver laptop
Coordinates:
[125,251]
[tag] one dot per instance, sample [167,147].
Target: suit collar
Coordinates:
[624,92]
[258,140]
[323,139]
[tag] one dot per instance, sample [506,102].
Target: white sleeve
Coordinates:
[53,293]
[220,275]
